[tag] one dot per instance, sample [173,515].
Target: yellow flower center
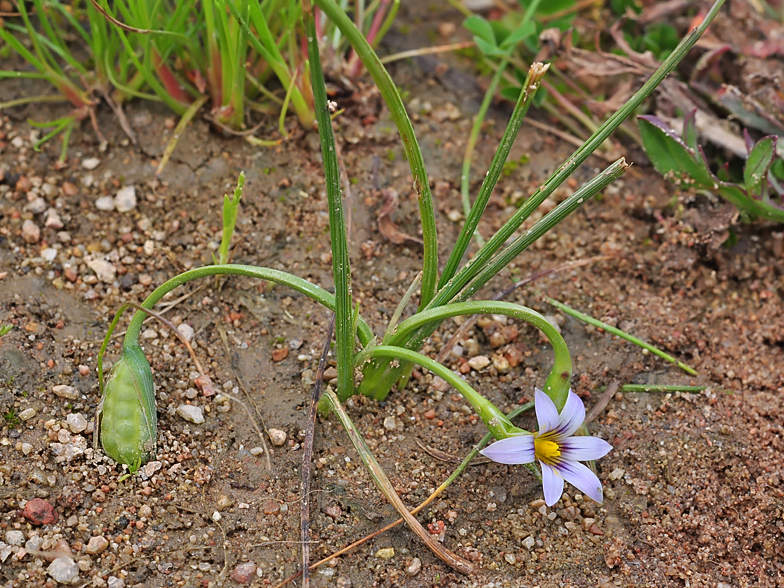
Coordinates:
[546,450]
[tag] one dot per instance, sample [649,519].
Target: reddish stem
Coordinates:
[169,80]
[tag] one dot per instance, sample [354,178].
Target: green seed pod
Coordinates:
[128,422]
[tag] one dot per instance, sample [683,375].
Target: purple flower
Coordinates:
[559,454]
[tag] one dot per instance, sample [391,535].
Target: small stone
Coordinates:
[343,582]
[270,507]
[277,437]
[510,559]
[91,163]
[14,537]
[76,422]
[30,232]
[125,200]
[190,413]
[70,189]
[280,354]
[389,423]
[414,567]
[529,542]
[501,364]
[104,270]
[105,203]
[244,573]
[40,512]
[37,206]
[27,448]
[27,414]
[53,220]
[330,374]
[256,451]
[64,391]
[115,582]
[617,474]
[185,329]
[385,553]
[83,370]
[479,362]
[216,516]
[64,570]
[149,334]
[333,511]
[49,254]
[224,502]
[97,545]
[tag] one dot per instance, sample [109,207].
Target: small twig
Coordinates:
[454,561]
[466,326]
[123,120]
[602,403]
[117,23]
[307,455]
[427,51]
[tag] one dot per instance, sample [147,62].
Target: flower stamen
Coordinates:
[546,450]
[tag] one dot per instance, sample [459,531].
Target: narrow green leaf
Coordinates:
[671,157]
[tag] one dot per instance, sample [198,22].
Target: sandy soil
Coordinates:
[694,493]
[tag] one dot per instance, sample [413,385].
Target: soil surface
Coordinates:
[693,488]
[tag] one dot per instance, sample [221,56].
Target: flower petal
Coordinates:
[581,478]
[583,448]
[572,415]
[552,484]
[512,450]
[546,413]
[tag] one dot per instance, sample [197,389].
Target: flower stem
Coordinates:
[300,285]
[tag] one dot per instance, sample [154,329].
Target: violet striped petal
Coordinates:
[583,448]
[572,415]
[518,449]
[552,484]
[546,413]
[581,478]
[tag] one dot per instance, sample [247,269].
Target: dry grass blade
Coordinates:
[454,561]
[178,130]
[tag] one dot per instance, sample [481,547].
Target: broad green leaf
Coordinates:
[671,157]
[480,28]
[486,48]
[757,164]
[522,32]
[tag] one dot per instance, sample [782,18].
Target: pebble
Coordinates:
[280,354]
[97,545]
[256,451]
[414,567]
[529,542]
[76,422]
[64,570]
[27,414]
[49,254]
[70,189]
[14,537]
[501,364]
[510,559]
[190,413]
[185,329]
[389,423]
[53,220]
[30,232]
[244,573]
[27,448]
[83,370]
[224,502]
[125,200]
[37,206]
[40,512]
[105,203]
[617,474]
[385,553]
[479,362]
[64,391]
[330,374]
[115,582]
[105,271]
[91,163]
[277,437]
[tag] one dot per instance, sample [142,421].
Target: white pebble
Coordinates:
[91,163]
[64,391]
[186,331]
[105,271]
[479,362]
[277,437]
[125,200]
[64,570]
[76,422]
[105,203]
[49,254]
[191,413]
